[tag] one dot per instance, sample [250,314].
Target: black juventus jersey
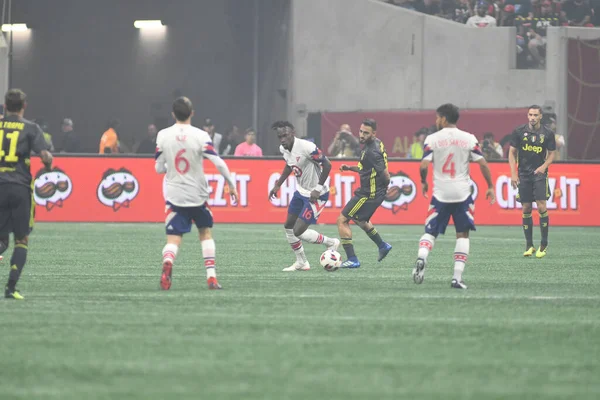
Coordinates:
[373,161]
[532,147]
[18,138]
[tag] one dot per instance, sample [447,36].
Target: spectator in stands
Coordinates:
[491,149]
[577,12]
[68,141]
[217,138]
[416,150]
[148,145]
[482,19]
[249,148]
[231,141]
[44,126]
[595,6]
[345,144]
[430,7]
[558,138]
[533,31]
[519,8]
[458,10]
[109,142]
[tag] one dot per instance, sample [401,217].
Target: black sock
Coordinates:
[3,245]
[17,262]
[544,226]
[374,236]
[348,247]
[528,229]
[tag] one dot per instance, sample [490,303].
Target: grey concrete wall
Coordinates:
[3,67]
[365,54]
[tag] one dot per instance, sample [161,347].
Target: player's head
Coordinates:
[447,114]
[367,131]
[15,101]
[534,115]
[250,136]
[285,132]
[183,109]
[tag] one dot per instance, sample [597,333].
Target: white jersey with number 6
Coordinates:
[450,150]
[180,150]
[305,160]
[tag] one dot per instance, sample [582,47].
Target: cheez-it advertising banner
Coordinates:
[101,189]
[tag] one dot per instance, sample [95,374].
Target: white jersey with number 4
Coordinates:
[450,151]
[180,150]
[305,160]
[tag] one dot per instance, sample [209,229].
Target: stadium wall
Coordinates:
[3,65]
[125,189]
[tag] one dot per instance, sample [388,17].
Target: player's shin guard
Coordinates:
[425,246]
[348,248]
[544,226]
[461,252]
[170,253]
[17,262]
[208,252]
[375,237]
[312,236]
[296,245]
[528,229]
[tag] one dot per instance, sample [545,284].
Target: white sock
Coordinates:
[170,252]
[296,245]
[312,236]
[208,252]
[461,252]
[425,246]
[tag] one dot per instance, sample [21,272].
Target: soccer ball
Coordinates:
[331,260]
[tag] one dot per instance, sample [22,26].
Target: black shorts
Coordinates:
[16,210]
[533,188]
[361,208]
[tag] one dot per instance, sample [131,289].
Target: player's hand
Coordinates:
[234,194]
[344,167]
[273,192]
[314,195]
[490,195]
[425,189]
[514,181]
[539,170]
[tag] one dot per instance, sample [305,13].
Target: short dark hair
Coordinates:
[488,135]
[282,125]
[535,107]
[448,111]
[250,130]
[15,100]
[182,108]
[371,123]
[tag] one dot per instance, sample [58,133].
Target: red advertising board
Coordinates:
[397,128]
[129,190]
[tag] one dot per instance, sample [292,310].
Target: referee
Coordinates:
[532,148]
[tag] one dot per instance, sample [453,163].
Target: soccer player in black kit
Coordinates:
[374,181]
[18,138]
[532,147]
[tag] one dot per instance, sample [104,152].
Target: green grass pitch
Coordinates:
[95,325]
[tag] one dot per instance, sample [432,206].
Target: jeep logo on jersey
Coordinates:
[401,192]
[51,189]
[474,189]
[117,188]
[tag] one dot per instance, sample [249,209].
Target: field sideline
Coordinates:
[95,325]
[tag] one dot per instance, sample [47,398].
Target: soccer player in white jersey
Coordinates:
[450,150]
[180,150]
[311,168]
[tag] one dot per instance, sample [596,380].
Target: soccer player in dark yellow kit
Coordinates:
[18,138]
[532,148]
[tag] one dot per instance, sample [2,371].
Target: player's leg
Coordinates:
[294,209]
[5,218]
[544,227]
[345,232]
[309,216]
[526,198]
[373,234]
[209,255]
[435,223]
[177,223]
[464,222]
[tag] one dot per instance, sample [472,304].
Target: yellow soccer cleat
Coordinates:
[529,252]
[541,252]
[13,294]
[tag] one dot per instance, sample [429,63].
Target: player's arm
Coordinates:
[287,170]
[40,146]
[515,141]
[160,164]
[353,168]
[210,153]
[318,157]
[477,156]
[424,167]
[551,147]
[380,163]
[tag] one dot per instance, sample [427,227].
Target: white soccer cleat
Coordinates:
[297,267]
[335,245]
[419,271]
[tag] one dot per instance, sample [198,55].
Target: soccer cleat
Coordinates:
[165,279]
[334,246]
[384,250]
[297,267]
[457,285]
[541,253]
[529,252]
[1,258]
[419,271]
[13,294]
[213,284]
[351,263]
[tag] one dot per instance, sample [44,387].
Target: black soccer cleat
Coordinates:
[13,294]
[458,285]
